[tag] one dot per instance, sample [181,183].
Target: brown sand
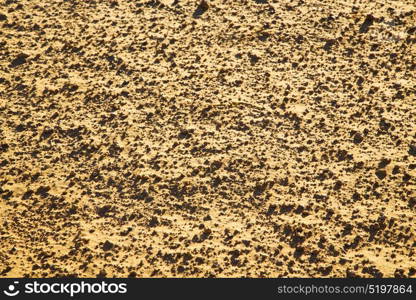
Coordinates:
[243,138]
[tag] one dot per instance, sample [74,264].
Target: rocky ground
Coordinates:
[222,138]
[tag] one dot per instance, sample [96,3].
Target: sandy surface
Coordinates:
[240,138]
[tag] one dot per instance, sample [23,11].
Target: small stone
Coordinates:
[4,147]
[412,202]
[358,138]
[185,134]
[107,246]
[201,9]
[43,191]
[19,60]
[20,128]
[6,270]
[383,163]
[328,45]
[356,196]
[406,177]
[253,58]
[381,174]
[102,211]
[153,222]
[46,134]
[271,210]
[369,20]
[412,150]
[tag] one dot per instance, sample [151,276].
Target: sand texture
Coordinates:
[216,139]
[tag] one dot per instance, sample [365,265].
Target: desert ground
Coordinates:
[250,138]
